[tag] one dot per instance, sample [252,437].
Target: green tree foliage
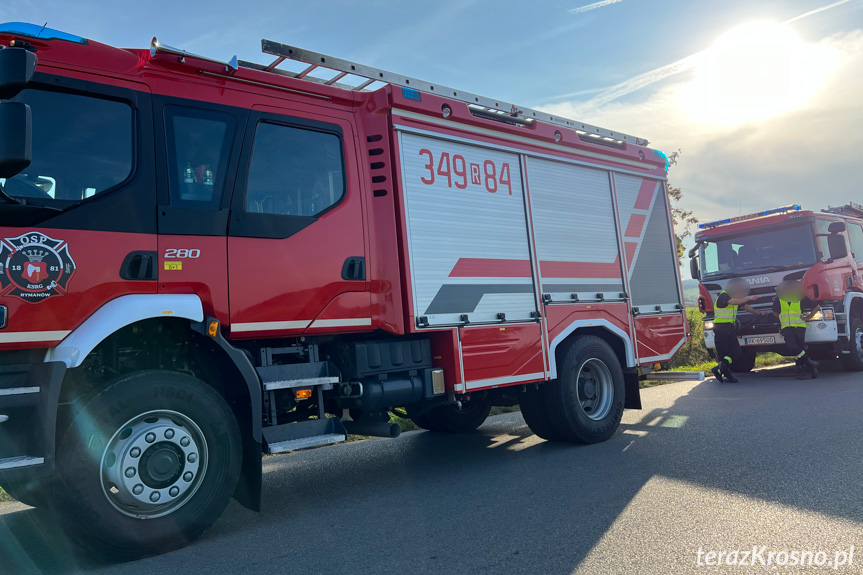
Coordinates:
[683,219]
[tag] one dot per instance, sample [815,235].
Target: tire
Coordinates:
[585,403]
[148,433]
[448,419]
[854,361]
[35,493]
[746,362]
[536,415]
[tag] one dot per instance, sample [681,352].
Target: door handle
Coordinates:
[354,269]
[139,266]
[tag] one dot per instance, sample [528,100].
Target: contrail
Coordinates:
[816,11]
[601,4]
[647,78]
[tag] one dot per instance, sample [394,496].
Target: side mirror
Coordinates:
[836,245]
[836,227]
[16,130]
[693,269]
[17,67]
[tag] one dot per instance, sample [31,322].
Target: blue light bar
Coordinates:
[40,32]
[782,210]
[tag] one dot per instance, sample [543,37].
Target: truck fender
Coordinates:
[117,314]
[849,300]
[605,324]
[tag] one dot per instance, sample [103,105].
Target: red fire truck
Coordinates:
[823,249]
[203,261]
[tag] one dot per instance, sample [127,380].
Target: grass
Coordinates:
[4,496]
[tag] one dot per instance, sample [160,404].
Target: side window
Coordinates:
[82,146]
[294,171]
[855,232]
[199,146]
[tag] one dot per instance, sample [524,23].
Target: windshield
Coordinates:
[82,146]
[759,252]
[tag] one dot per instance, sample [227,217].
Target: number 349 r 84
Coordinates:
[461,174]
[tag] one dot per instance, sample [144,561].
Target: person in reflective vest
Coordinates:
[733,297]
[794,309]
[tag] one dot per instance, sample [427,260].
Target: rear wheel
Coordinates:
[746,362]
[449,419]
[147,465]
[585,403]
[854,361]
[536,415]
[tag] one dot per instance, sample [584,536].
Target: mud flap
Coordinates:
[633,391]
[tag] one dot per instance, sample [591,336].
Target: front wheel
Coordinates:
[147,465]
[853,361]
[585,403]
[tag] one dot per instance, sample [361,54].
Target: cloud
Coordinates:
[808,156]
[594,6]
[612,93]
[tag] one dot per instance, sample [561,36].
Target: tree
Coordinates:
[683,219]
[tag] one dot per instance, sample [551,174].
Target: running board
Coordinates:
[302,435]
[21,461]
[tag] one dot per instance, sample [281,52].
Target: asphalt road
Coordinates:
[771,462]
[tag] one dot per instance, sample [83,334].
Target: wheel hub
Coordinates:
[153,464]
[595,388]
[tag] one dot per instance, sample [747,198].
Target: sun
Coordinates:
[754,72]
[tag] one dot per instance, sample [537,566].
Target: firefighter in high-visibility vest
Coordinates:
[794,309]
[734,296]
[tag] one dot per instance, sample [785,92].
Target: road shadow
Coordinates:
[501,499]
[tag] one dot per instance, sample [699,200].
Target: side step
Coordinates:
[304,434]
[20,461]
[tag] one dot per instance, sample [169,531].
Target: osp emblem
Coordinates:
[34,267]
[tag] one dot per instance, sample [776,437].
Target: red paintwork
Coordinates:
[206,275]
[658,334]
[298,279]
[98,258]
[705,300]
[500,352]
[635,225]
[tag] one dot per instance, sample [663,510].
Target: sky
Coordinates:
[764,98]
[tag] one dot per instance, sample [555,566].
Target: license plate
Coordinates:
[759,340]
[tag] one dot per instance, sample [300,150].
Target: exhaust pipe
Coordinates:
[371,428]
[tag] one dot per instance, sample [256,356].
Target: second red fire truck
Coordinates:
[201,261]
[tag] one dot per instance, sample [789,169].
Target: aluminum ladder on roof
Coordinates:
[358,77]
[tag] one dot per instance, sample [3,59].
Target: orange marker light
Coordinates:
[213,328]
[303,393]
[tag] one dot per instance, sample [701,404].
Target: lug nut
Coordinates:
[150,437]
[130,472]
[185,442]
[187,477]
[174,491]
[136,452]
[155,496]
[138,489]
[192,458]
[169,434]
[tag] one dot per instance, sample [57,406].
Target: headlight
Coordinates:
[826,313]
[708,325]
[819,316]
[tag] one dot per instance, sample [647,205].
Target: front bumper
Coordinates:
[29,393]
[821,331]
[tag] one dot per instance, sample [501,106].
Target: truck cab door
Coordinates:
[296,244]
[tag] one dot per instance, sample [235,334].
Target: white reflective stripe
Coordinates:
[19,390]
[505,380]
[268,325]
[32,336]
[350,322]
[627,342]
